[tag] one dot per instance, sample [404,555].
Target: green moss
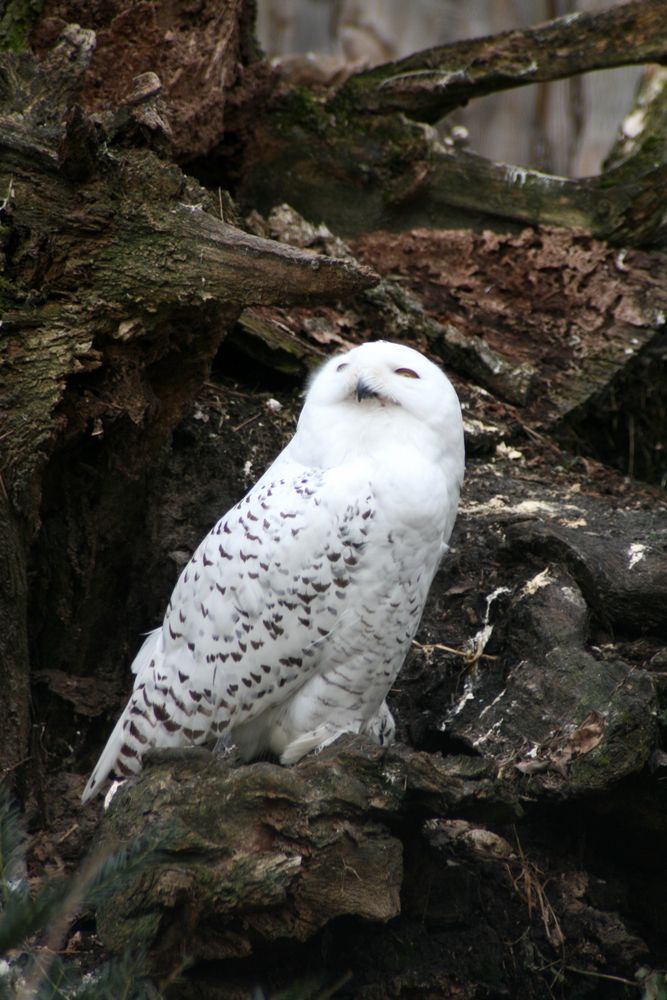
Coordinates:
[9,294]
[301,111]
[16,23]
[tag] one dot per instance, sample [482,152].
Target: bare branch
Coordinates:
[431,83]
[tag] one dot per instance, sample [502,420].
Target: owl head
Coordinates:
[381,375]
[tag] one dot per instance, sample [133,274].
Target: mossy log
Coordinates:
[385,167]
[264,852]
[430,83]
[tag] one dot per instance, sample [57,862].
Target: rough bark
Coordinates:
[209,56]
[298,847]
[431,83]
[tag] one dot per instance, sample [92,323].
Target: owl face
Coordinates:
[385,375]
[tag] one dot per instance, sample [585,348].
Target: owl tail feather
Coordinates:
[110,758]
[127,742]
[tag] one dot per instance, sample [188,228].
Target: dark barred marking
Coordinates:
[223,553]
[193,734]
[128,751]
[138,735]
[291,661]
[177,701]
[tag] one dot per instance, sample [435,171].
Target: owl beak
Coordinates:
[364,391]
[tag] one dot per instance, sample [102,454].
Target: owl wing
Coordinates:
[260,598]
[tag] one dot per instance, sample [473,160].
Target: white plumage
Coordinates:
[293,617]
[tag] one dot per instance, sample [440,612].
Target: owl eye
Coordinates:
[406,373]
[341,366]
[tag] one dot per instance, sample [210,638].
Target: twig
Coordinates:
[532,890]
[67,833]
[471,656]
[245,423]
[602,975]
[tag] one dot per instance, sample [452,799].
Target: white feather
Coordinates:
[291,620]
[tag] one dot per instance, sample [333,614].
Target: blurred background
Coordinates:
[565,128]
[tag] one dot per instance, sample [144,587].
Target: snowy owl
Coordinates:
[295,614]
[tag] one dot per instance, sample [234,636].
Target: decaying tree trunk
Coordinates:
[535,694]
